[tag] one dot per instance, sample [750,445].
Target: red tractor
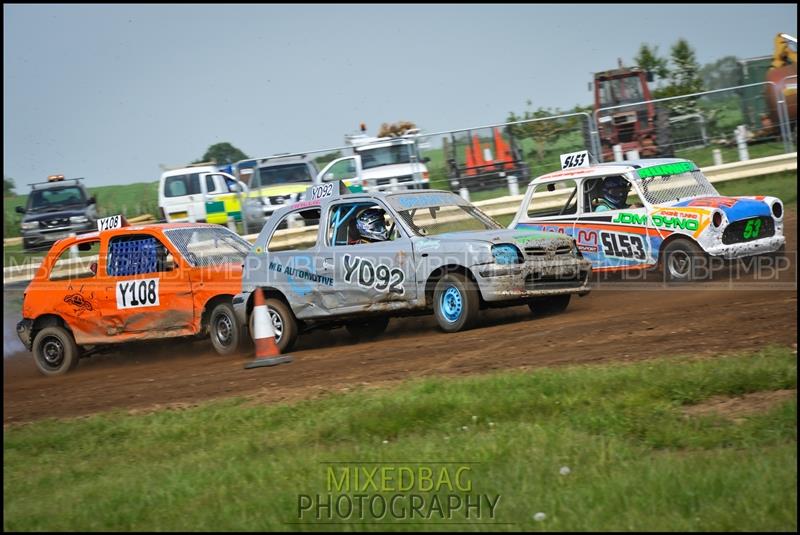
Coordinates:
[641,126]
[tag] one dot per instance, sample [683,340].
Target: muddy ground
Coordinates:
[616,322]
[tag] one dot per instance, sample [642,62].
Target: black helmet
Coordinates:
[615,190]
[371,225]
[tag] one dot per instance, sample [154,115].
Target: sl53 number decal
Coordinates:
[137,293]
[366,274]
[321,191]
[575,159]
[623,245]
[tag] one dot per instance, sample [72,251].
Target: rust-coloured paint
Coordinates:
[88,304]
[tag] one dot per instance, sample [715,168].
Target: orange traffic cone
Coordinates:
[267,351]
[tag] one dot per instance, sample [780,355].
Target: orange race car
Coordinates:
[132,283]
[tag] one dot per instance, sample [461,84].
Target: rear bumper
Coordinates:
[24,329]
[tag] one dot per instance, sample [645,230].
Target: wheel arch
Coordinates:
[672,238]
[438,273]
[209,306]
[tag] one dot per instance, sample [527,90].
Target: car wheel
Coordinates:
[552,304]
[223,329]
[681,260]
[367,329]
[455,302]
[284,326]
[54,351]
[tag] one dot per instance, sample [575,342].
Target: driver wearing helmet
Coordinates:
[371,226]
[614,194]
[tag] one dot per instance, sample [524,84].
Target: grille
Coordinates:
[735,233]
[53,223]
[400,179]
[542,251]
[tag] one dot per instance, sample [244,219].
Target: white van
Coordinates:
[200,194]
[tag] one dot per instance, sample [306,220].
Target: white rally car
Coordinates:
[666,213]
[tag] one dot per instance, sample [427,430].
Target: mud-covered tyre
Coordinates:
[367,329]
[551,304]
[682,261]
[54,351]
[284,324]
[456,303]
[224,330]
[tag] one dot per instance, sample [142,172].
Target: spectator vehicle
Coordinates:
[56,209]
[137,283]
[200,194]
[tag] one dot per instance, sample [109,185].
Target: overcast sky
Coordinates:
[109,92]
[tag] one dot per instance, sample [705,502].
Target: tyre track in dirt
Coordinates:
[614,323]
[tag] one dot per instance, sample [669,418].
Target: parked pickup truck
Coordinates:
[362,258]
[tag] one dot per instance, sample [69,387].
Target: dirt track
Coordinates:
[613,323]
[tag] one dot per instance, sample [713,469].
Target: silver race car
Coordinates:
[356,259]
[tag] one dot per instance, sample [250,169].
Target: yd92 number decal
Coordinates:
[137,293]
[623,245]
[366,274]
[322,191]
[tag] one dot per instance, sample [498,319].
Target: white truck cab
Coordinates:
[380,164]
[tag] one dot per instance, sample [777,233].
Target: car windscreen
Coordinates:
[52,199]
[662,188]
[282,174]
[391,155]
[434,220]
[209,246]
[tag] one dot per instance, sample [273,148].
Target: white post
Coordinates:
[231,224]
[393,184]
[632,155]
[73,251]
[717,154]
[513,186]
[741,142]
[464,192]
[617,153]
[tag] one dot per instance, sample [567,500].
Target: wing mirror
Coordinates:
[20,210]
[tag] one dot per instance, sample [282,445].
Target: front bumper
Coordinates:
[741,250]
[533,279]
[24,329]
[41,237]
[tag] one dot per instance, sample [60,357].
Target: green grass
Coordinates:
[637,461]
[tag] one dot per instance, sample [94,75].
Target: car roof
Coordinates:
[189,170]
[603,169]
[133,229]
[283,160]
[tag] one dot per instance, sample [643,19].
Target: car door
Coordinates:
[551,207]
[347,169]
[366,275]
[148,288]
[219,202]
[613,239]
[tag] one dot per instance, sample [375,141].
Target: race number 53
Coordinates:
[137,293]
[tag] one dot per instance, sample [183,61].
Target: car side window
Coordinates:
[344,170]
[593,193]
[554,199]
[137,254]
[76,262]
[377,224]
[296,231]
